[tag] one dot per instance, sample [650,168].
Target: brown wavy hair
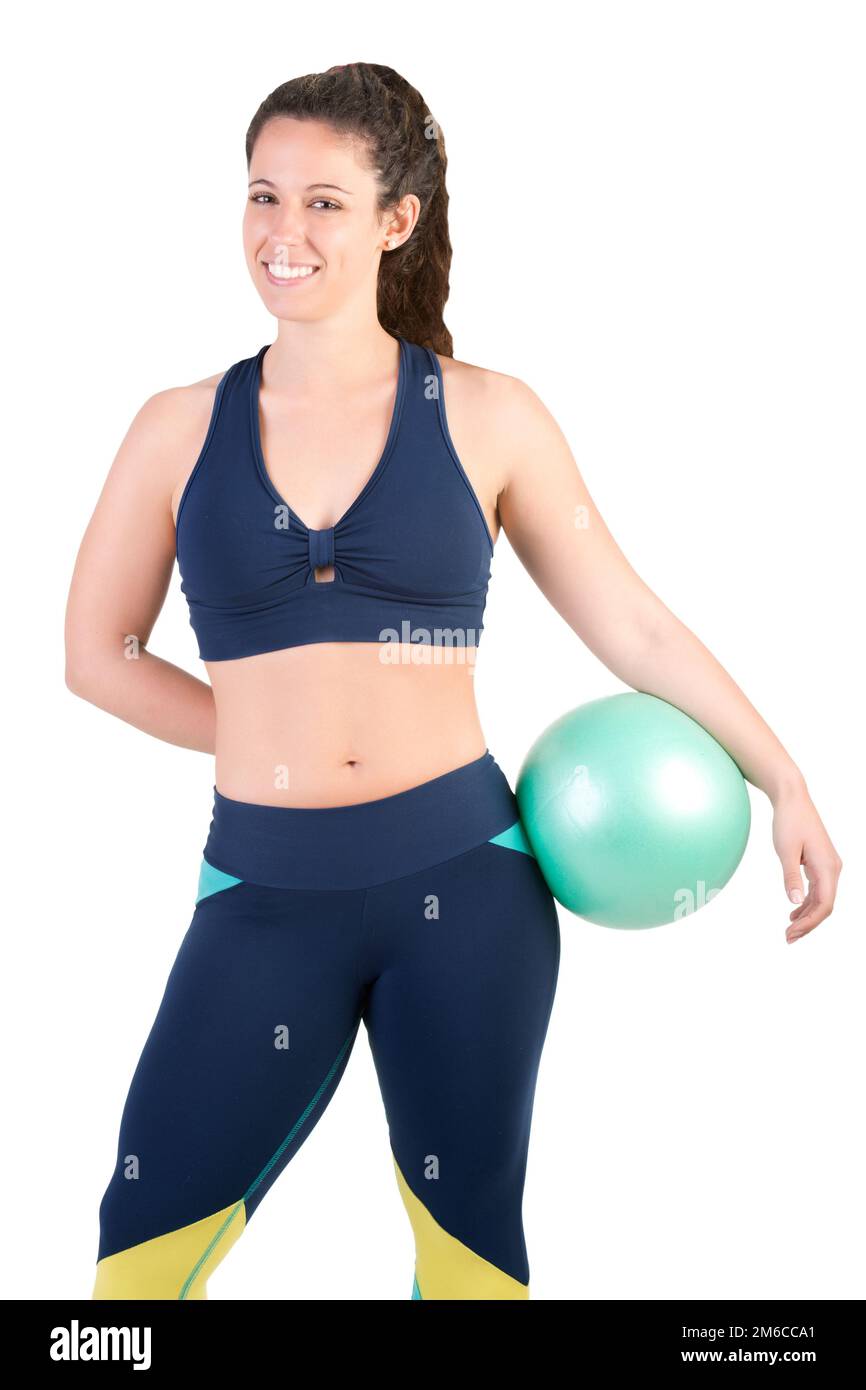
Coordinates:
[406,152]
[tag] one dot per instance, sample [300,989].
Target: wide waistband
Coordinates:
[369,842]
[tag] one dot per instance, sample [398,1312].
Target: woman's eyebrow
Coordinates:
[308,188]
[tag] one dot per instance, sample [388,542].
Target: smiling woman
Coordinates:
[334,505]
[333,500]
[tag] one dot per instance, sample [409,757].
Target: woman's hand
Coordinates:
[799,838]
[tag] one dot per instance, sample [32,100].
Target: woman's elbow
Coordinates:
[78,673]
[86,670]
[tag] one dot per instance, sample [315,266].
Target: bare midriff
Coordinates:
[335,723]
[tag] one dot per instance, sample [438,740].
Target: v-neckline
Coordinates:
[255,425]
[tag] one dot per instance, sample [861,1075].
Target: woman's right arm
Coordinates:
[122,575]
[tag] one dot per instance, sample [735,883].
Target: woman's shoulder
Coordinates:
[169,430]
[496,402]
[184,405]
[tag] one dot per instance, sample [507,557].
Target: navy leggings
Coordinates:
[424,915]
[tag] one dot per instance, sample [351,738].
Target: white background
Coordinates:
[657,212]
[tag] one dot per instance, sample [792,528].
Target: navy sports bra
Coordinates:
[411,555]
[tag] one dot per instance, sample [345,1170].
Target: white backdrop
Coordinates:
[658,219]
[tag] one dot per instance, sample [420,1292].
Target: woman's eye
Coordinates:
[269,198]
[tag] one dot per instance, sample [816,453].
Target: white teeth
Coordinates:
[290,272]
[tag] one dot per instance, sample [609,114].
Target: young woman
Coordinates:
[333,503]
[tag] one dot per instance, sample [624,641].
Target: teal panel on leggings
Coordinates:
[211,880]
[513,838]
[416,1292]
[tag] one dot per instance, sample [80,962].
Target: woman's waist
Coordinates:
[322,768]
[335,730]
[357,844]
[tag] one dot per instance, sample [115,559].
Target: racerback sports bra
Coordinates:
[411,555]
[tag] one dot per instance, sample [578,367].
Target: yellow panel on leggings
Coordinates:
[445,1268]
[176,1265]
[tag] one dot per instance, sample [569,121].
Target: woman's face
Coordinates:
[312,236]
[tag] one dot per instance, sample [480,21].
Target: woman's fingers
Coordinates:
[819,900]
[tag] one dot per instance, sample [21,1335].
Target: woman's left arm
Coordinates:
[560,538]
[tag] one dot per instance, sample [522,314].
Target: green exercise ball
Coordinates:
[636,815]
